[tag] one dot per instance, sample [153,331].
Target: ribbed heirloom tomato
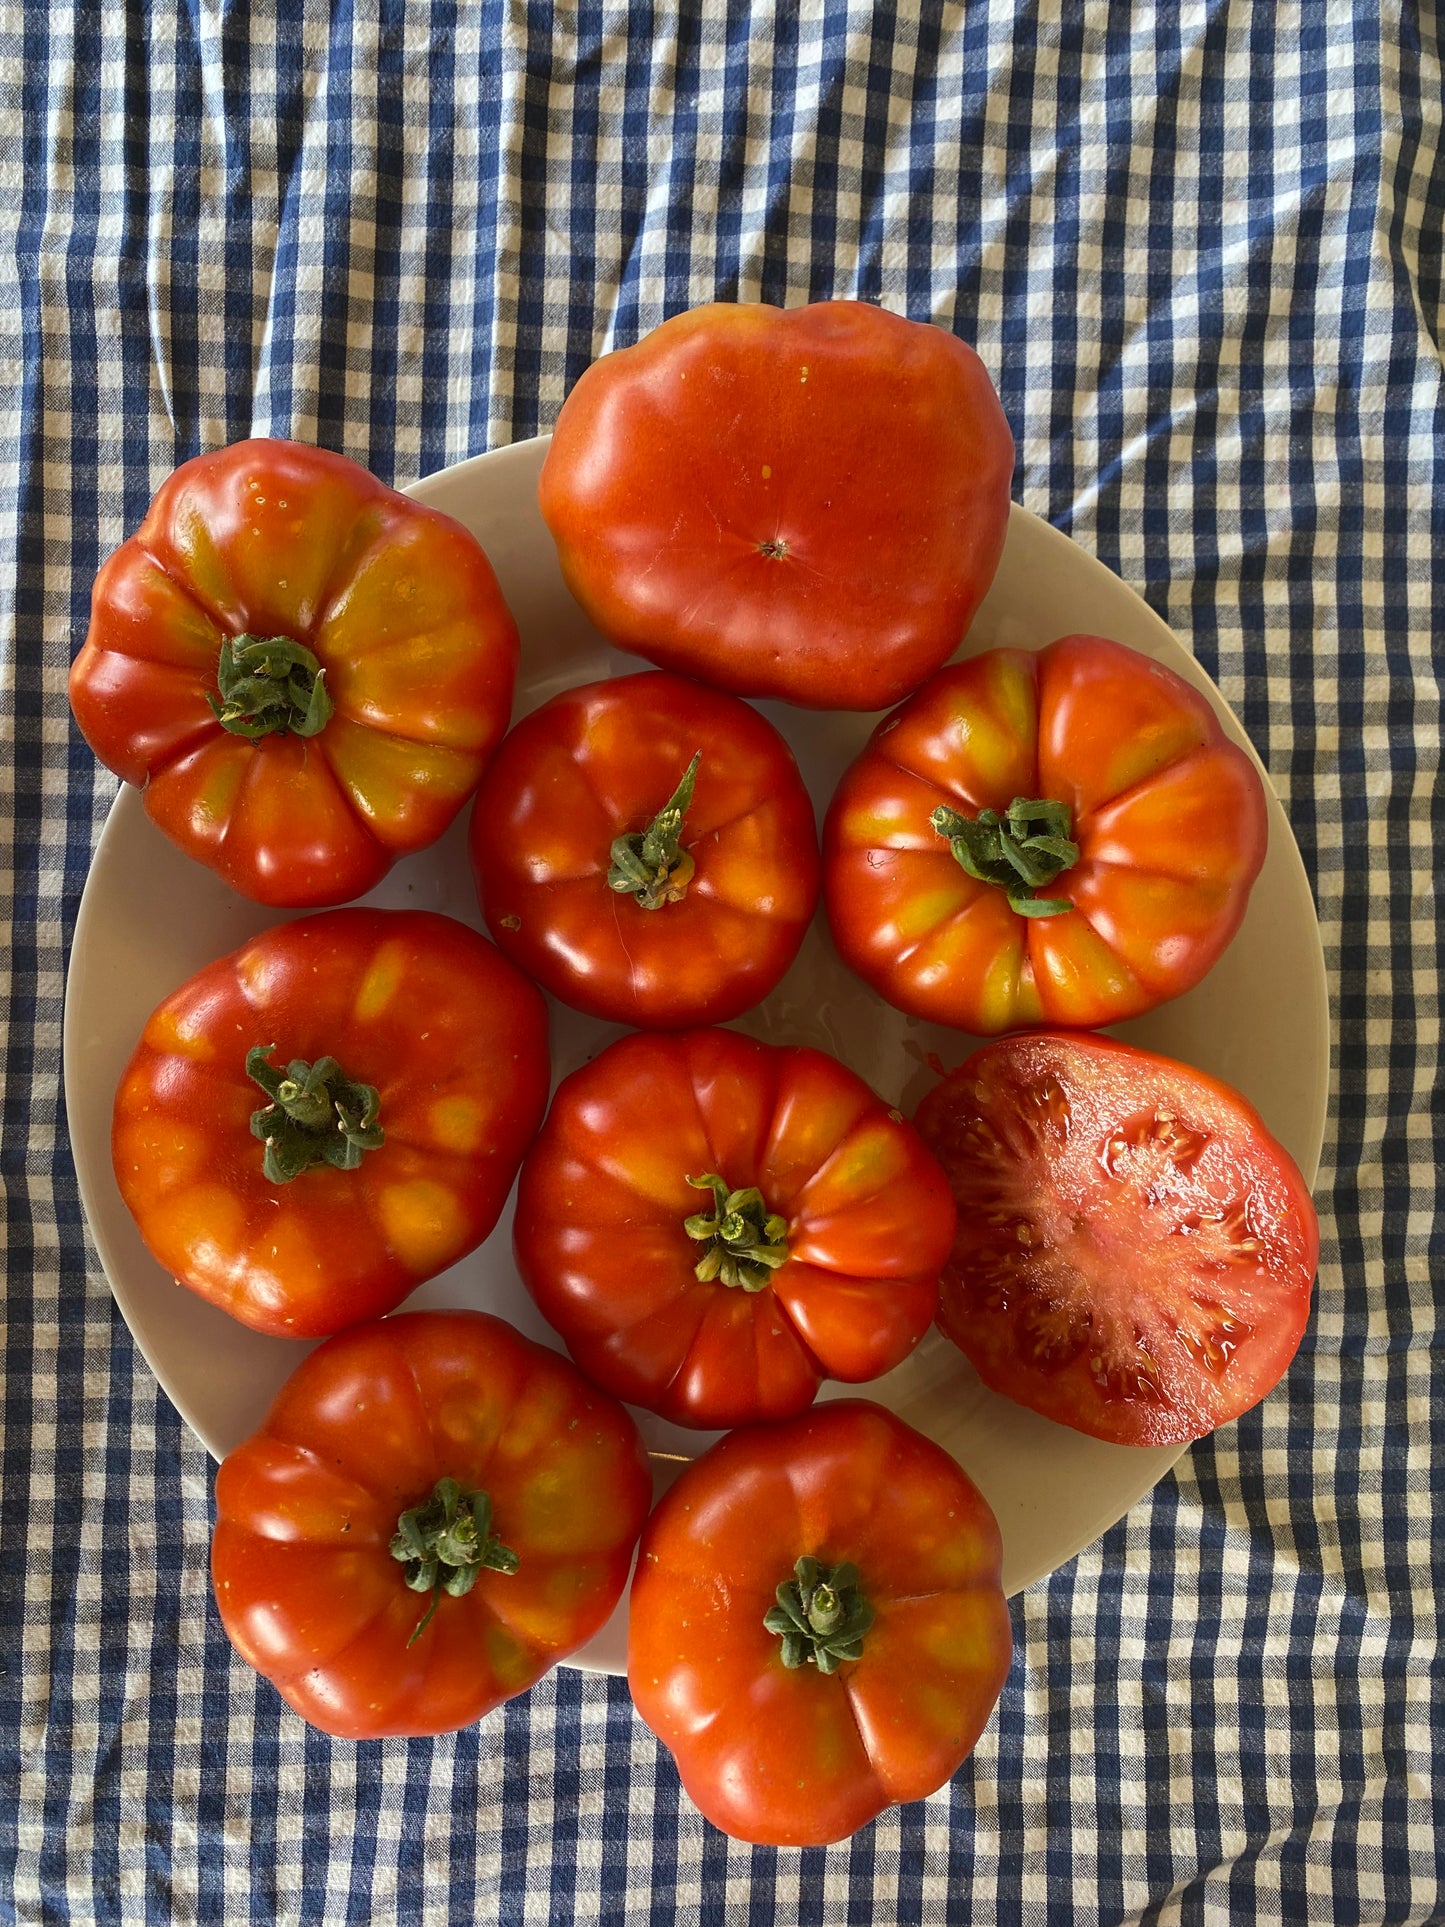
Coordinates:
[310,1127]
[646,850]
[1135,1252]
[716,1225]
[434,1512]
[1065,837]
[807,503]
[303,670]
[817,1628]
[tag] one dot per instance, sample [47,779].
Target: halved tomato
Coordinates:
[1135,1252]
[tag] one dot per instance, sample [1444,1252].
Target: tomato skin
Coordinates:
[794,1757]
[414,1003]
[1135,1252]
[363,1429]
[396,601]
[601,760]
[600,1243]
[871,449]
[1169,816]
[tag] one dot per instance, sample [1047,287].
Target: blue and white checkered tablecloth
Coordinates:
[1198,244]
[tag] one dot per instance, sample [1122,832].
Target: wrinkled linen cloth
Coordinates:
[1198,246]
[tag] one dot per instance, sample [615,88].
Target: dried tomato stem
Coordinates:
[316,1115]
[745,1241]
[651,865]
[821,1615]
[445,1542]
[270,685]
[1019,851]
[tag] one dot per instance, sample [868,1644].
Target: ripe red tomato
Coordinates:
[817,1628]
[313,1125]
[715,1225]
[807,503]
[305,671]
[646,850]
[1065,837]
[1135,1252]
[434,1512]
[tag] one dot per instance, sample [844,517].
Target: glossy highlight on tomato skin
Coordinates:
[806,503]
[452,1037]
[306,1509]
[795,1757]
[604,1194]
[1169,816]
[1135,1252]
[396,602]
[600,761]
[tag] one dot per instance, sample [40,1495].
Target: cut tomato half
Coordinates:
[1135,1253]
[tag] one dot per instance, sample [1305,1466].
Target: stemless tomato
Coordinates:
[434,1512]
[817,1629]
[305,671]
[1135,1252]
[646,850]
[808,504]
[311,1126]
[715,1225]
[1065,837]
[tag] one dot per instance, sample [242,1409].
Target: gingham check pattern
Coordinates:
[1198,244]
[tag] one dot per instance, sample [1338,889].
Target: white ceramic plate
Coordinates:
[150,917]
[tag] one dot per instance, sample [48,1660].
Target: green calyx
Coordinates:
[270,685]
[821,1616]
[445,1542]
[1020,851]
[651,865]
[745,1241]
[315,1116]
